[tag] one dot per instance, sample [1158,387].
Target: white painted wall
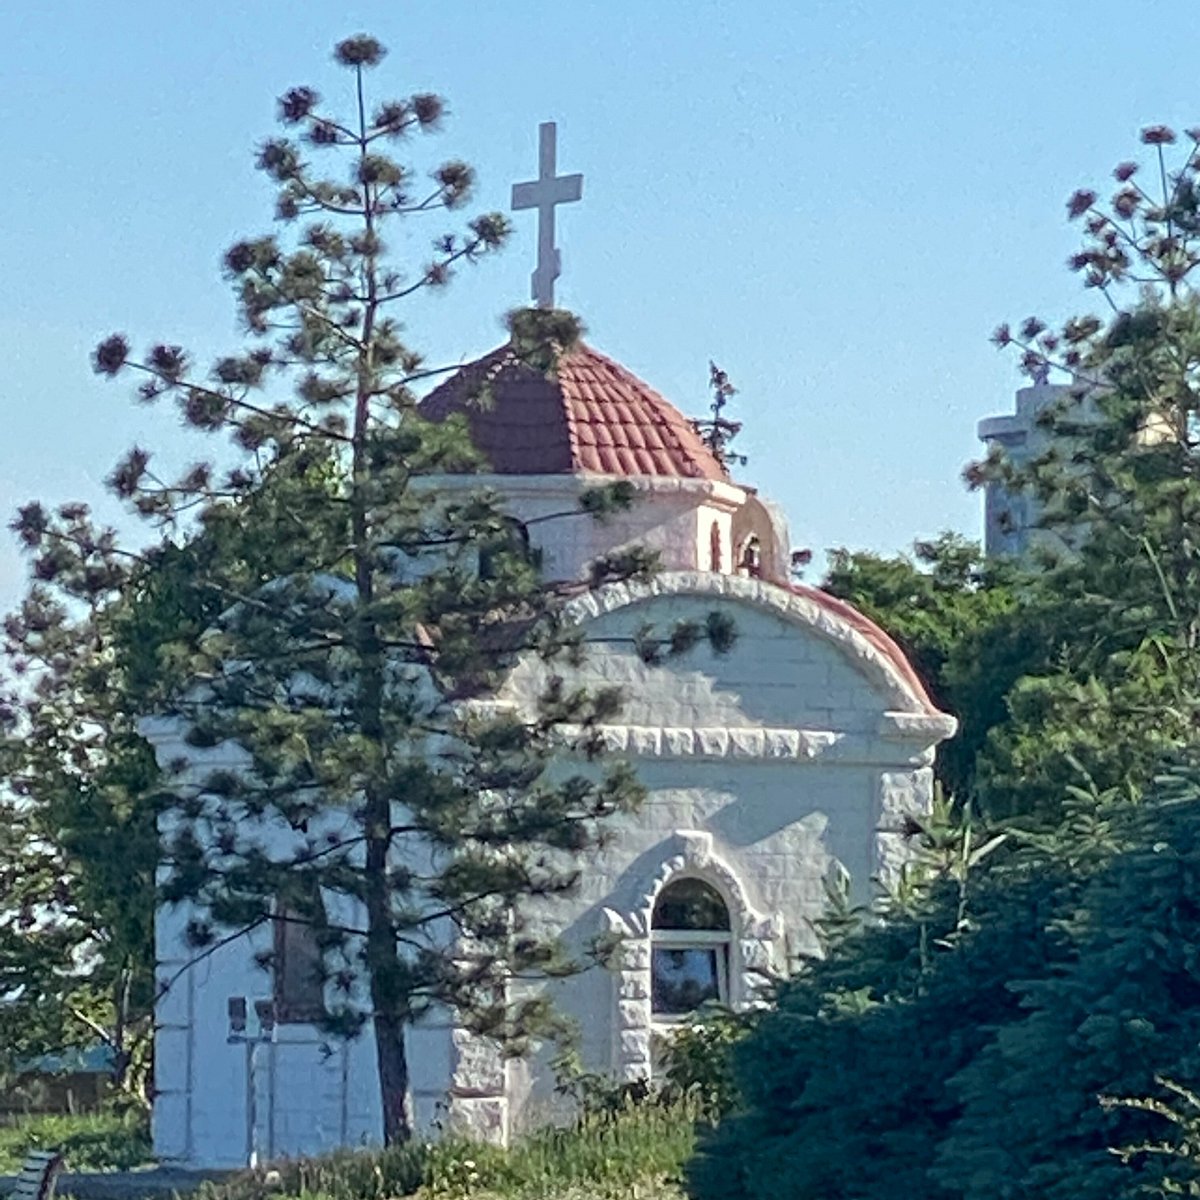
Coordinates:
[763,767]
[672,516]
[772,677]
[314,1093]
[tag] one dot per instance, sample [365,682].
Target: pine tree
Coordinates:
[406,826]
[90,648]
[1118,489]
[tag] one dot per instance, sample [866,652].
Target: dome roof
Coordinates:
[594,417]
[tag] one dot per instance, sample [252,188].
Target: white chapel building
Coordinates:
[767,768]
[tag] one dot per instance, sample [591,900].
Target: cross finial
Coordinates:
[544,193]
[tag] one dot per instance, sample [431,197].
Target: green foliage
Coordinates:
[318,605]
[1078,665]
[959,1048]
[1175,1143]
[1123,1008]
[618,1149]
[398,1170]
[107,1141]
[846,1084]
[717,431]
[78,848]
[1117,491]
[965,625]
[632,1151]
[698,1059]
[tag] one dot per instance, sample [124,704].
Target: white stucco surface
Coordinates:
[764,767]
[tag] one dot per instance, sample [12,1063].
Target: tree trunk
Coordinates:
[391,1056]
[382,961]
[391,1060]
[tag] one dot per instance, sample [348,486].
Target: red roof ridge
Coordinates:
[874,633]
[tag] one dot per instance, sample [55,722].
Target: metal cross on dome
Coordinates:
[544,193]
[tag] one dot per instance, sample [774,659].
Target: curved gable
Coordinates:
[857,638]
[801,660]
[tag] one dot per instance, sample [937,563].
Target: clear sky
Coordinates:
[835,199]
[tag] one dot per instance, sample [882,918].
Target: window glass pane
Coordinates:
[684,979]
[690,904]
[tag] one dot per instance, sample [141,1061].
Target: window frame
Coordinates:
[719,941]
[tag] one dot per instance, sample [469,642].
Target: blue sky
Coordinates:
[835,199]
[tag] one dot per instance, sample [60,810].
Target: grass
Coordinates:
[634,1153]
[104,1141]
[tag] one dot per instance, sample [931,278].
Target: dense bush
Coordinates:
[966,1053]
[1123,1009]
[846,1084]
[106,1141]
[698,1060]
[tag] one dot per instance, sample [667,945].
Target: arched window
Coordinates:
[714,547]
[750,562]
[690,940]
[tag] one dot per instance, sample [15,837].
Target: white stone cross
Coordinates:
[544,193]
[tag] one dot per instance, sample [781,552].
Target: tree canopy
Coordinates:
[318,609]
[1028,1025]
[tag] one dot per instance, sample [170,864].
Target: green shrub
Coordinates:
[699,1059]
[845,1087]
[104,1141]
[966,1057]
[647,1139]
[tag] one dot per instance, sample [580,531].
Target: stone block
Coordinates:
[633,1014]
[756,955]
[634,986]
[478,1066]
[634,1045]
[615,738]
[746,743]
[645,740]
[678,742]
[171,1060]
[636,956]
[479,1119]
[168,1126]
[428,1112]
[711,743]
[172,1009]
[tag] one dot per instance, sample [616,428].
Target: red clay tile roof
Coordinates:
[594,418]
[874,634]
